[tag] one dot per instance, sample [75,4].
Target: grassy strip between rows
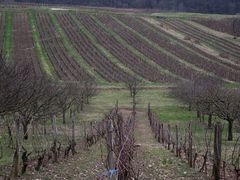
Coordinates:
[227,84]
[8,37]
[213,44]
[223,35]
[42,55]
[187,48]
[110,57]
[155,22]
[73,52]
[189,65]
[133,50]
[208,43]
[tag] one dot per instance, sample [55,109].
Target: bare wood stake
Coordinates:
[16,157]
[159,132]
[73,143]
[162,133]
[149,109]
[116,106]
[190,153]
[110,145]
[217,151]
[156,130]
[169,136]
[54,147]
[224,169]
[177,142]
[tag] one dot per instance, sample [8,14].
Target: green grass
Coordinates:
[45,62]
[108,54]
[86,164]
[8,37]
[162,102]
[73,52]
[172,167]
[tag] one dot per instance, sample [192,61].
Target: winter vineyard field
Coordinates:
[112,48]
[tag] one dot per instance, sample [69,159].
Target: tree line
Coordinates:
[203,6]
[210,98]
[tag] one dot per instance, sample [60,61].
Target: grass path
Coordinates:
[162,50]
[42,55]
[105,52]
[73,52]
[153,161]
[223,35]
[134,50]
[182,45]
[181,37]
[8,37]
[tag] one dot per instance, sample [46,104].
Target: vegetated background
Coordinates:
[206,6]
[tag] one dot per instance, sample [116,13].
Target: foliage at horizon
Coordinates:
[204,6]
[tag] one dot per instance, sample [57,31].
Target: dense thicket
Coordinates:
[206,6]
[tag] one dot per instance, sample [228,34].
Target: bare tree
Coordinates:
[198,93]
[235,27]
[227,107]
[185,91]
[206,93]
[134,87]
[86,89]
[235,159]
[90,89]
[43,95]
[65,99]
[13,83]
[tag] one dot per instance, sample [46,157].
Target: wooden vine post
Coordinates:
[149,109]
[110,145]
[217,151]
[16,157]
[162,132]
[159,132]
[73,143]
[55,131]
[177,142]
[190,143]
[168,136]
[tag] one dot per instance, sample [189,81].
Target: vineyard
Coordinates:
[90,93]
[226,25]
[113,48]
